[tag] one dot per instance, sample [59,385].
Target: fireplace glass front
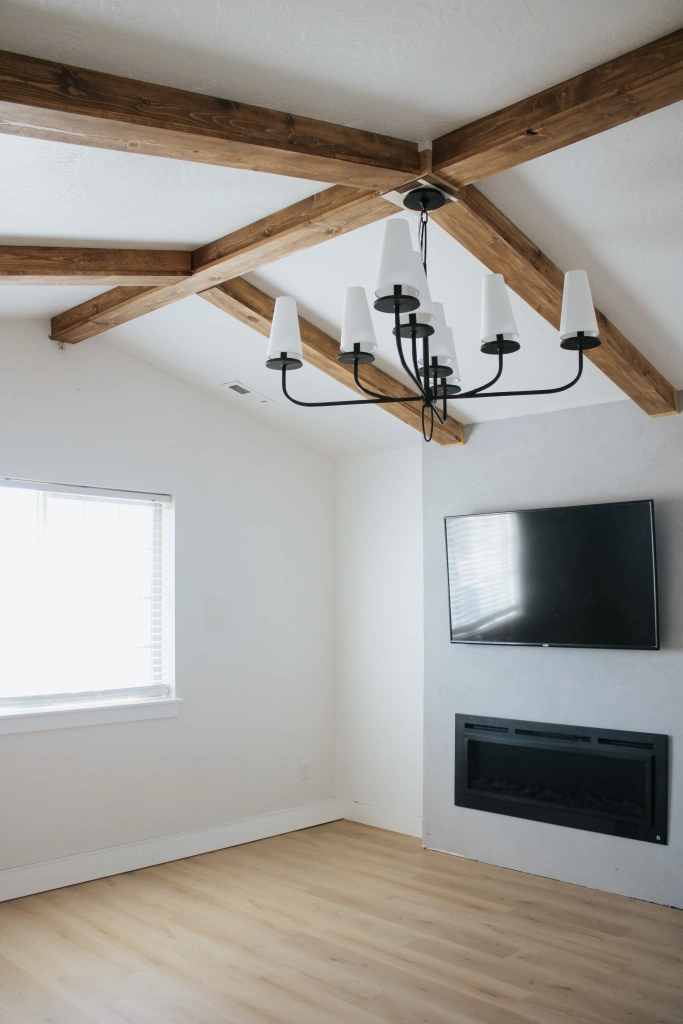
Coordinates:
[596,779]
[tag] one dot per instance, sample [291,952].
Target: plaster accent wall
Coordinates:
[380,639]
[258,696]
[603,453]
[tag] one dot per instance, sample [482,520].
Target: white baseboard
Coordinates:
[27,879]
[83,867]
[380,817]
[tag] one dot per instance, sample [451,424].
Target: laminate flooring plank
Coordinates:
[337,924]
[33,999]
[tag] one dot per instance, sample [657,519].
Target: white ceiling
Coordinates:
[411,68]
[612,204]
[53,193]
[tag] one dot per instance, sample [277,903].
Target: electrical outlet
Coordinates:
[304,769]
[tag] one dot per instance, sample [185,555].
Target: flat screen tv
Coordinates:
[583,576]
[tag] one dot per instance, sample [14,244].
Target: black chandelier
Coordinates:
[419,323]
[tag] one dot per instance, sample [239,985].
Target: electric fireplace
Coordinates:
[601,780]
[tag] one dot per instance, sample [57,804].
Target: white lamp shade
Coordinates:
[357,326]
[284,332]
[396,264]
[442,344]
[425,313]
[496,311]
[578,313]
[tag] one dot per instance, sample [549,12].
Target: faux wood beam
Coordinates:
[488,234]
[634,84]
[42,99]
[255,309]
[41,264]
[323,216]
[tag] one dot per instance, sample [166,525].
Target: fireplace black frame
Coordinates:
[651,748]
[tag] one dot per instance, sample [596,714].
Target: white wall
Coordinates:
[380,639]
[254,525]
[602,453]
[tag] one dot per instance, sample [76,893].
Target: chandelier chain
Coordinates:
[422,237]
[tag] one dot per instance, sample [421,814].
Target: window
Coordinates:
[85,598]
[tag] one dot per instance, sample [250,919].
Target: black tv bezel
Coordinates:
[555,508]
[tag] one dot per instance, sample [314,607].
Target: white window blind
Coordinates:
[86,595]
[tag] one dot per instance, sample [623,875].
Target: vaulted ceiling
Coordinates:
[611,203]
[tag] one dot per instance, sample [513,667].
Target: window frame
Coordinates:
[112,705]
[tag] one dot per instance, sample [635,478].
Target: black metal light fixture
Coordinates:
[430,360]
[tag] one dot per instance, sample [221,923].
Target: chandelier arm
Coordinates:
[353,401]
[431,431]
[538,391]
[366,391]
[475,391]
[429,392]
[416,366]
[399,348]
[442,420]
[404,364]
[435,412]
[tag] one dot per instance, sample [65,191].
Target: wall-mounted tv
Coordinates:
[582,576]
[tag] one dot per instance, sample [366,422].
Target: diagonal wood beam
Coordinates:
[42,264]
[634,84]
[488,234]
[320,217]
[42,99]
[255,309]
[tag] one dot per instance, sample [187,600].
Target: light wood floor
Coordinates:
[337,923]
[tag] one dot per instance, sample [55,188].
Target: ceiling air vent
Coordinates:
[245,393]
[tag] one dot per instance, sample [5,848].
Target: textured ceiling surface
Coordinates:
[411,68]
[612,204]
[203,345]
[53,193]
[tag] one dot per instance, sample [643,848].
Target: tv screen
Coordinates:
[583,576]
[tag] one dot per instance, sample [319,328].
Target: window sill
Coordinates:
[66,718]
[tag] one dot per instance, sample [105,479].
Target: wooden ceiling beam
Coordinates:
[488,234]
[42,264]
[42,99]
[255,309]
[323,216]
[46,100]
[618,91]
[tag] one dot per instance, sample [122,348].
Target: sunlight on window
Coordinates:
[84,603]
[483,571]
